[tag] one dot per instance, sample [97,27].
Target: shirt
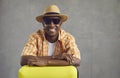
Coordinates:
[51,48]
[37,45]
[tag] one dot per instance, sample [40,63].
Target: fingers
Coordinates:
[68,57]
[60,57]
[40,62]
[64,56]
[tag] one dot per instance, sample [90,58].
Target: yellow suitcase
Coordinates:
[47,72]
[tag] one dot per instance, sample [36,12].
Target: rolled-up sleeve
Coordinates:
[72,48]
[30,47]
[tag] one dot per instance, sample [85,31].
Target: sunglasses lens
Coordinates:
[48,20]
[56,21]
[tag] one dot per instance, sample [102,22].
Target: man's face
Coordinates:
[52,25]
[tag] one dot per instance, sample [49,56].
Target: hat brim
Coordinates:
[63,17]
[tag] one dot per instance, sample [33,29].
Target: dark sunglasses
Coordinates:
[48,20]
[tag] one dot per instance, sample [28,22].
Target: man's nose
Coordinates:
[52,24]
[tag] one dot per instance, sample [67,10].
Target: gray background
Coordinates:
[95,24]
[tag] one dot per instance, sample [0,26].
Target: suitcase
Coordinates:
[47,72]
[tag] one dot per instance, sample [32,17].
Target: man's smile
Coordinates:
[52,30]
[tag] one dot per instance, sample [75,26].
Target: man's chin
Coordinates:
[52,34]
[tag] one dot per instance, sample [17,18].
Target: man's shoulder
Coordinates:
[38,34]
[66,35]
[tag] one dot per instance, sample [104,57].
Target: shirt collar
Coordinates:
[60,37]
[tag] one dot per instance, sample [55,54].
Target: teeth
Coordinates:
[52,30]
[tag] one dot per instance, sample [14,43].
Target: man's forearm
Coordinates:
[54,62]
[26,58]
[69,58]
[50,60]
[47,61]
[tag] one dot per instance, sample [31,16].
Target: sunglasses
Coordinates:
[48,20]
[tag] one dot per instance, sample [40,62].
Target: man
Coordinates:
[51,46]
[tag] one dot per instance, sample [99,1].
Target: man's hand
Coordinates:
[60,57]
[64,56]
[37,62]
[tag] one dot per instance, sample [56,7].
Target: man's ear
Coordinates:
[43,24]
[61,23]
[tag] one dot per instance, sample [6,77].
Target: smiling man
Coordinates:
[51,45]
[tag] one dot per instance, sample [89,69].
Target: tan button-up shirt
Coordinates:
[38,45]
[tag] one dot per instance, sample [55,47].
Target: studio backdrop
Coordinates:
[95,24]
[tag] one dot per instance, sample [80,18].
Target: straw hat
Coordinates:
[52,10]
